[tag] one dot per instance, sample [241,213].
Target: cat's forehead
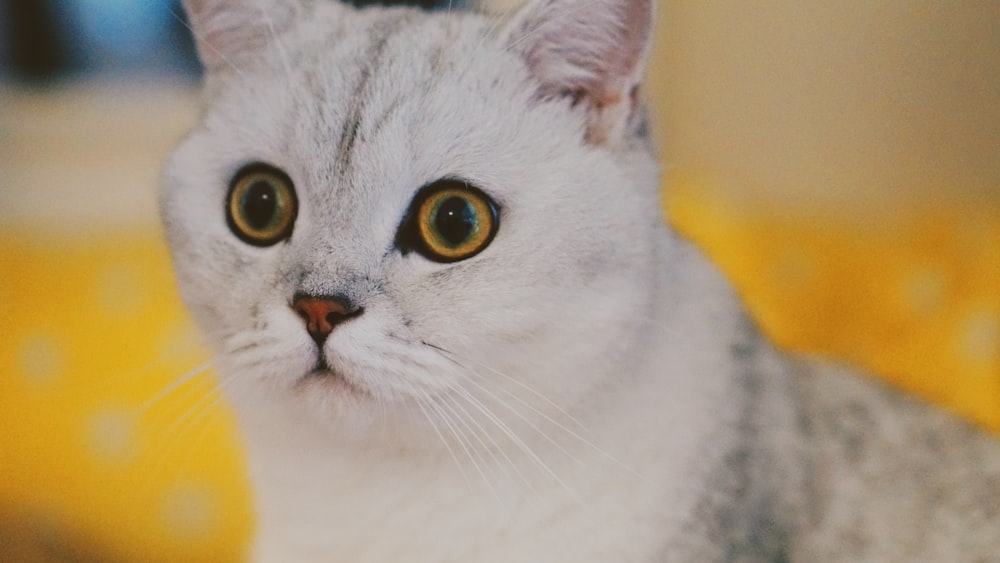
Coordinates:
[358,56]
[340,82]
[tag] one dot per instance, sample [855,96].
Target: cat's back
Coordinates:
[892,478]
[828,464]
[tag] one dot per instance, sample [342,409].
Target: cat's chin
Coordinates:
[325,380]
[346,409]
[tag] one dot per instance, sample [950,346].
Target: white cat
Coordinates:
[428,251]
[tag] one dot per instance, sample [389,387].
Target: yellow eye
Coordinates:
[261,207]
[454,221]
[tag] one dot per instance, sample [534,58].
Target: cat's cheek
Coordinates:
[261,353]
[356,349]
[297,349]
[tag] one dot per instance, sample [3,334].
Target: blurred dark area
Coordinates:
[32,47]
[42,41]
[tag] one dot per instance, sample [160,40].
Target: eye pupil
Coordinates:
[449,221]
[259,204]
[456,220]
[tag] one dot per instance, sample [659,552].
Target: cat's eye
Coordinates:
[261,206]
[452,221]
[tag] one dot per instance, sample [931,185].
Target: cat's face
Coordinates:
[429,231]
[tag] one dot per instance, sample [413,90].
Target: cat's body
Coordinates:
[580,386]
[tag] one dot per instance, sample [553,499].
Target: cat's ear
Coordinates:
[590,51]
[227,31]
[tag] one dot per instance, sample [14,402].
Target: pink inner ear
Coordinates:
[225,30]
[595,49]
[592,52]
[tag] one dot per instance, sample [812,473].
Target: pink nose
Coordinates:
[322,315]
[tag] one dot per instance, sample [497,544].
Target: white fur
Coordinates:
[588,391]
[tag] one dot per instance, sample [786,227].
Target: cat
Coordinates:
[428,252]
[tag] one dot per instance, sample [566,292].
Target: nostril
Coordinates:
[333,318]
[322,314]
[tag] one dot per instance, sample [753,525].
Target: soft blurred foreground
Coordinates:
[838,161]
[100,459]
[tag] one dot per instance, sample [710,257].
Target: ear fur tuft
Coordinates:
[225,31]
[590,51]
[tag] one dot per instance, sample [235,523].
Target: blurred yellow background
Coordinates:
[839,161]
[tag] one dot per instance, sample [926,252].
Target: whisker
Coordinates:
[554,422]
[462,440]
[201,424]
[176,431]
[503,426]
[537,29]
[449,419]
[173,386]
[244,341]
[420,402]
[113,383]
[527,421]
[515,381]
[456,409]
[194,34]
[507,431]
[537,411]
[469,419]
[286,61]
[181,423]
[488,34]
[525,447]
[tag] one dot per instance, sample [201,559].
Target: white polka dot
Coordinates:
[925,291]
[180,342]
[120,290]
[980,338]
[41,359]
[111,435]
[190,512]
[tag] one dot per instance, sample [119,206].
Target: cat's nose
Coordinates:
[323,314]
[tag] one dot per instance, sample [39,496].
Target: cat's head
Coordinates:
[390,215]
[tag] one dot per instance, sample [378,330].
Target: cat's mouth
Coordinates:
[322,367]
[323,374]
[322,370]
